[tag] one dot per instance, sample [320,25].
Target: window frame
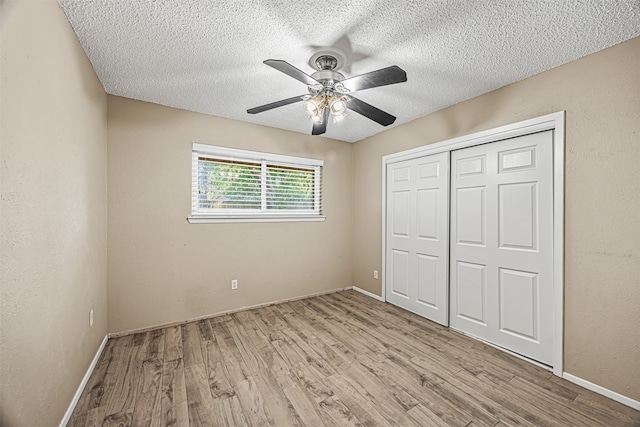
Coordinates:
[264,159]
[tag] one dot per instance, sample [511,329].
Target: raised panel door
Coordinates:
[416,271]
[501,283]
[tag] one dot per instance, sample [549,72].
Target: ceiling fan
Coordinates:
[330,92]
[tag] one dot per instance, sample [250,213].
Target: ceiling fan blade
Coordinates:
[369,111]
[276,104]
[292,71]
[320,128]
[385,76]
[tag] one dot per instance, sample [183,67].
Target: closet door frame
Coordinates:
[554,122]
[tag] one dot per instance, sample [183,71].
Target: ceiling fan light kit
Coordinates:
[330,92]
[314,106]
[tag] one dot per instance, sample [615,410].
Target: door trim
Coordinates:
[554,122]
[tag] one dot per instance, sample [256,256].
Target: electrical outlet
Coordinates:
[91,317]
[375,274]
[234,284]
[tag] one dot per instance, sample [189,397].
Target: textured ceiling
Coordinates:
[206,56]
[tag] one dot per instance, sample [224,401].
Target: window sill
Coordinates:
[254,218]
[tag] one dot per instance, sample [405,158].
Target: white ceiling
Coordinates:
[206,56]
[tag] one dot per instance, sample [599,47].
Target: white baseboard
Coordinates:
[367,293]
[603,391]
[221,313]
[83,383]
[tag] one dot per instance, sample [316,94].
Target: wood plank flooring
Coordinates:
[342,359]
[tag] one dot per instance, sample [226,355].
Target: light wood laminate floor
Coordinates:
[333,360]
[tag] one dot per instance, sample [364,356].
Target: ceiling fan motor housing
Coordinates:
[326,75]
[332,54]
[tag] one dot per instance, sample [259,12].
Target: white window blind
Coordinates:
[290,188]
[230,184]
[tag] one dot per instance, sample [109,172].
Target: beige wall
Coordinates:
[53,214]
[600,94]
[163,269]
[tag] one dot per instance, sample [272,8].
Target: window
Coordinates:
[230,185]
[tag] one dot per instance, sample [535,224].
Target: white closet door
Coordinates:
[417,232]
[502,244]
